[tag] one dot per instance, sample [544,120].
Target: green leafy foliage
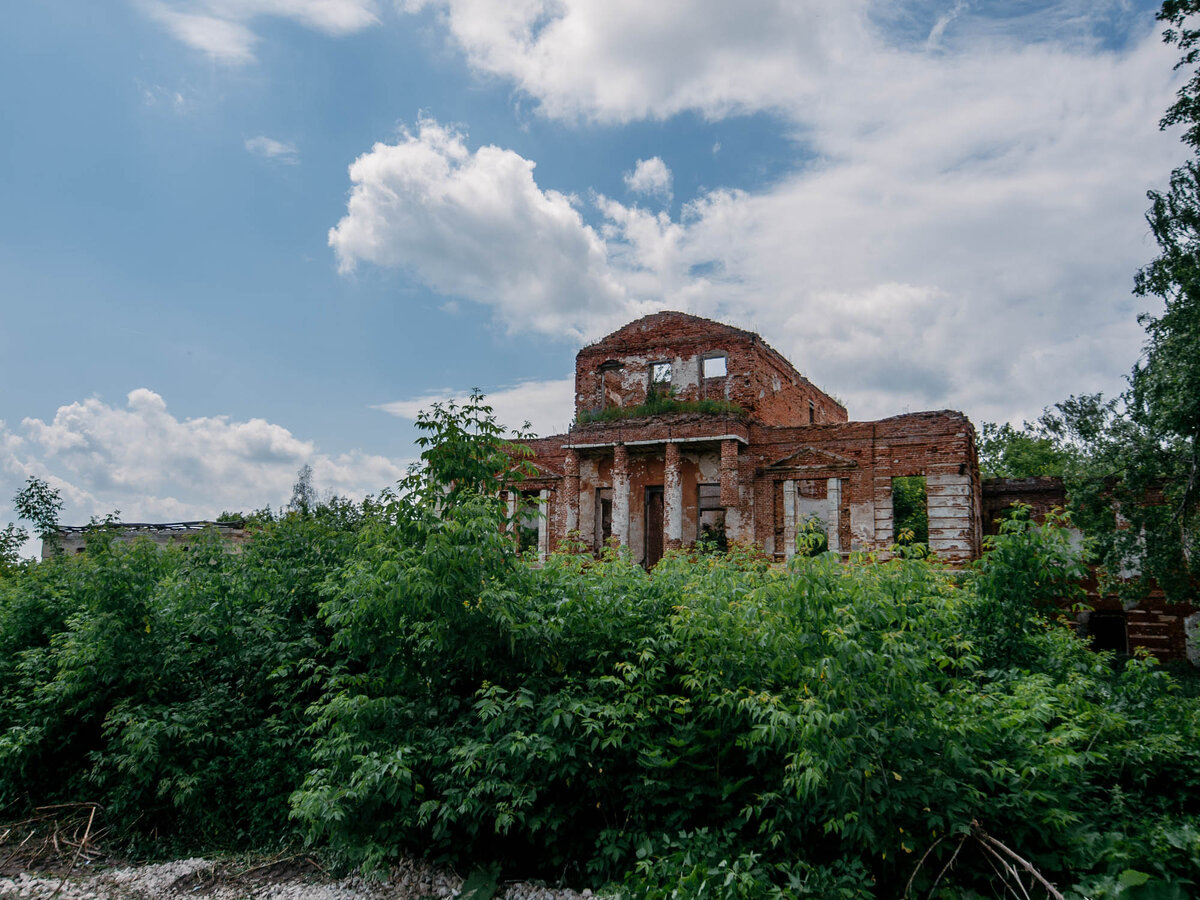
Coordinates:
[1028,452]
[12,539]
[660,403]
[910,509]
[1030,574]
[39,504]
[171,683]
[395,678]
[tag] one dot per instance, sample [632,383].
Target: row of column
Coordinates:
[672,490]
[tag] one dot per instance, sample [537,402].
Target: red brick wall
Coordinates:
[758,379]
[866,456]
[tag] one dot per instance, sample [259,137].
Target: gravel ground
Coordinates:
[284,880]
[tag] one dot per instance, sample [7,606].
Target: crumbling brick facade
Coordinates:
[778,452]
[773,453]
[1167,630]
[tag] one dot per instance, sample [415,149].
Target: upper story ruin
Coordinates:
[686,427]
[691,359]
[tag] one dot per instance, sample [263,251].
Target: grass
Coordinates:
[657,406]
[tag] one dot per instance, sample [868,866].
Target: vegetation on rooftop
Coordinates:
[660,403]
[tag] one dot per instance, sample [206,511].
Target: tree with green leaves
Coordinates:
[39,504]
[1026,452]
[1164,395]
[12,539]
[304,495]
[36,503]
[1133,464]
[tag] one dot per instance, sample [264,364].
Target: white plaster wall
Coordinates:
[949,503]
[1191,631]
[685,373]
[862,526]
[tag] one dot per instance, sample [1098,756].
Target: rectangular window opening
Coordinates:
[526,525]
[910,510]
[610,385]
[660,373]
[812,514]
[714,367]
[603,517]
[710,523]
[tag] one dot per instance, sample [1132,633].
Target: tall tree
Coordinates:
[39,504]
[304,495]
[1140,490]
[1028,452]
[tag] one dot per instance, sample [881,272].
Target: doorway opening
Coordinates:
[654,525]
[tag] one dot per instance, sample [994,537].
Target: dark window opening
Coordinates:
[711,519]
[603,517]
[610,384]
[654,525]
[812,412]
[910,510]
[526,525]
[1108,631]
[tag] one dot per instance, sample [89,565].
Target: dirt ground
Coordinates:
[282,880]
[59,853]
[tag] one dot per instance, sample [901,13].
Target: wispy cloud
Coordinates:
[272,149]
[222,29]
[548,406]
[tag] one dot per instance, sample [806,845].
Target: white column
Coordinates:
[673,508]
[620,507]
[789,519]
[833,520]
[543,525]
[571,491]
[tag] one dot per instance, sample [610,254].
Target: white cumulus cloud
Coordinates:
[651,177]
[475,224]
[152,466]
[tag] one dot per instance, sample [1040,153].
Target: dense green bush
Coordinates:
[394,678]
[169,684]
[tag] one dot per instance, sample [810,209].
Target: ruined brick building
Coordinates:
[740,445]
[685,427]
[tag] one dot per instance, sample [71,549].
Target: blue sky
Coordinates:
[238,236]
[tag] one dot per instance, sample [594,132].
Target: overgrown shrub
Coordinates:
[395,678]
[170,683]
